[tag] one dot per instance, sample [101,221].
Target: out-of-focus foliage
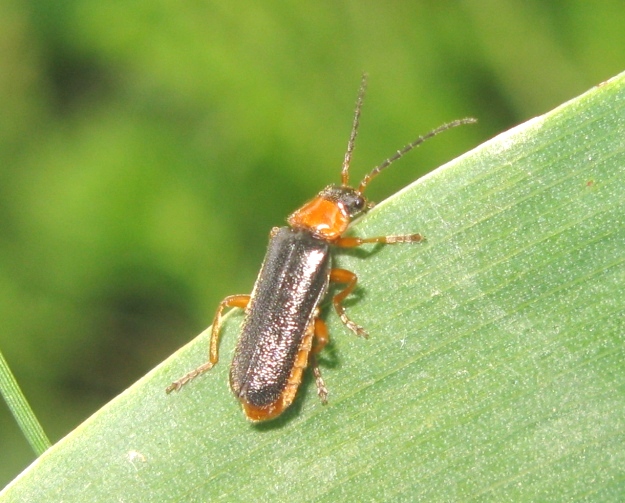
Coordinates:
[146,149]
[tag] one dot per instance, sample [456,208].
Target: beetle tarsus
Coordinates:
[354,327]
[176,385]
[322,391]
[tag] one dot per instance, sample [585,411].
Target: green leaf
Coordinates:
[495,369]
[21,410]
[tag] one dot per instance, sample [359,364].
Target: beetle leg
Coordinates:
[213,357]
[351,242]
[320,340]
[322,391]
[321,336]
[345,276]
[240,301]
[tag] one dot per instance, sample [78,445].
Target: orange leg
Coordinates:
[345,276]
[213,357]
[320,340]
[321,336]
[351,242]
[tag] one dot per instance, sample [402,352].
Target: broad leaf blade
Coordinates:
[495,368]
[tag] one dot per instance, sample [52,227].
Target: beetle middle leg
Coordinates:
[345,276]
[213,357]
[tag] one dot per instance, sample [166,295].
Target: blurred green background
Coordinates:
[146,149]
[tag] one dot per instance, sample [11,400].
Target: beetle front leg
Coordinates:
[351,242]
[344,276]
[213,357]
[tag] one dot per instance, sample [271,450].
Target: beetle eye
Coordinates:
[359,203]
[356,204]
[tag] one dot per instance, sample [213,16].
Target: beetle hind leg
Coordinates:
[176,385]
[322,391]
[231,301]
[320,340]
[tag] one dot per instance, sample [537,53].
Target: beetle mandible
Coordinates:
[282,331]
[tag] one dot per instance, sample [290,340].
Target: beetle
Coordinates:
[282,331]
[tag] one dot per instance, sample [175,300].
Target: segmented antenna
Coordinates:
[352,136]
[400,153]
